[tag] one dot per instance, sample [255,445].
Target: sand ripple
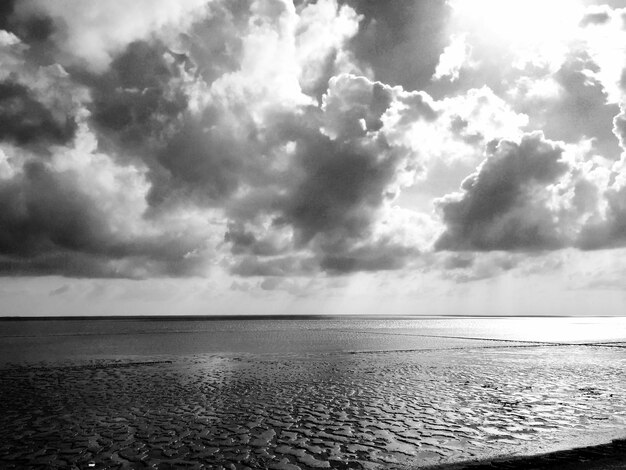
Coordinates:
[364,410]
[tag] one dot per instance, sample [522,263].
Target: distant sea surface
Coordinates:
[37,340]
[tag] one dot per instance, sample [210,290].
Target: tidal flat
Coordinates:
[305,394]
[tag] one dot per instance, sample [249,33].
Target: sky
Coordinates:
[432,157]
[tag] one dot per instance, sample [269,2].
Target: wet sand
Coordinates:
[610,456]
[344,409]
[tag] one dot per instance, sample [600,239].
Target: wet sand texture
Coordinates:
[363,410]
[611,456]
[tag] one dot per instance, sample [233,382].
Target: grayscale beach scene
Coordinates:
[313,234]
[367,393]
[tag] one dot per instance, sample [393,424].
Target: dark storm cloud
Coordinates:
[610,232]
[579,109]
[595,18]
[33,29]
[331,202]
[252,266]
[6,10]
[334,209]
[26,121]
[401,43]
[342,172]
[336,201]
[41,209]
[244,241]
[60,215]
[69,264]
[197,164]
[344,180]
[237,114]
[86,265]
[90,34]
[384,255]
[465,267]
[497,209]
[584,111]
[212,43]
[139,111]
[341,187]
[36,30]
[461,260]
[133,102]
[142,112]
[49,224]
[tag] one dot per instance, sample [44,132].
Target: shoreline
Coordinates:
[609,456]
[399,411]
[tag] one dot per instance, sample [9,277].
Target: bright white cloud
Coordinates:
[323,28]
[452,59]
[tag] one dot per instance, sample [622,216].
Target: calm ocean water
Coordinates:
[38,340]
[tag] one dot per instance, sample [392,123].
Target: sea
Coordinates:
[26,340]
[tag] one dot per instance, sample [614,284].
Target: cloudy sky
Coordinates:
[329,156]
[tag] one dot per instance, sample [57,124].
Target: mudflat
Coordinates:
[610,456]
[304,396]
[359,410]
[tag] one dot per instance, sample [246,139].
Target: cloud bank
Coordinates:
[278,139]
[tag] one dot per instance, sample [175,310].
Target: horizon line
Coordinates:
[280,317]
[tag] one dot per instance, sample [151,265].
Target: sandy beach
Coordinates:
[447,408]
[611,456]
